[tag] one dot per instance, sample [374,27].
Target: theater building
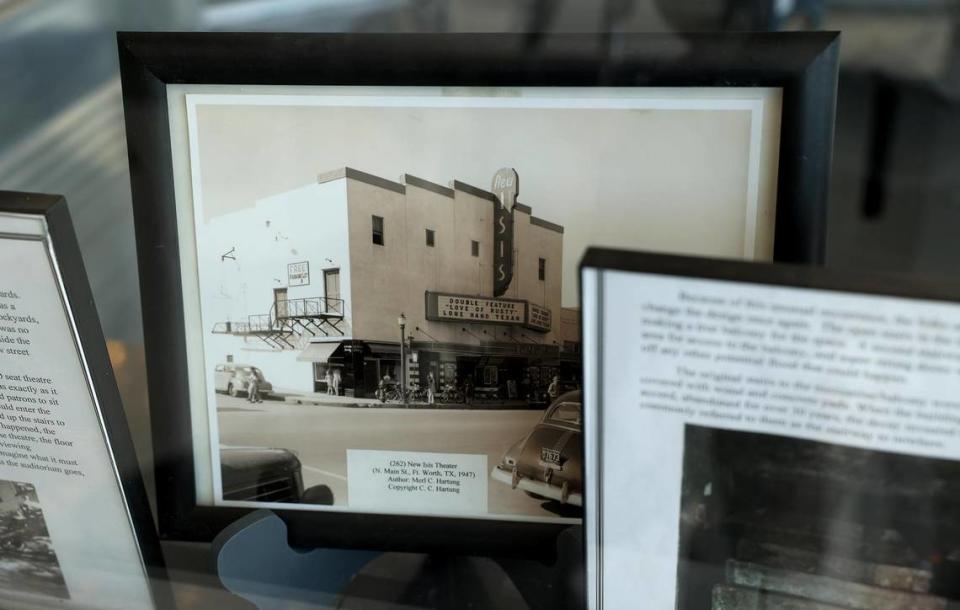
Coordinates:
[316,279]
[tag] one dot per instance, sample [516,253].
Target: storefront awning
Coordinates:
[318,352]
[491,350]
[384,349]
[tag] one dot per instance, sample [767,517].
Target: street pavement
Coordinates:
[320,436]
[329,400]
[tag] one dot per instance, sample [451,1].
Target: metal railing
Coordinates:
[261,322]
[290,316]
[308,307]
[231,328]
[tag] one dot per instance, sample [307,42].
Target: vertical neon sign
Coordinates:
[506,186]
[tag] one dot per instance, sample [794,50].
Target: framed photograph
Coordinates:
[358,255]
[762,435]
[76,530]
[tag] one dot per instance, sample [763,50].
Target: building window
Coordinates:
[474,248]
[542,269]
[378,230]
[430,238]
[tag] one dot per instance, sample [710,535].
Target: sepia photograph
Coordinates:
[479,368]
[387,278]
[772,522]
[28,562]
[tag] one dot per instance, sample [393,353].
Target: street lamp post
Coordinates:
[402,321]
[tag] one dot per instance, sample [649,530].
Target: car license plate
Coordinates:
[550,456]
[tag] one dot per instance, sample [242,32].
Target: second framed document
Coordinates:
[768,436]
[358,256]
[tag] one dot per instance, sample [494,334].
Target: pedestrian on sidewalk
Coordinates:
[431,388]
[386,384]
[253,389]
[553,390]
[336,381]
[328,379]
[468,390]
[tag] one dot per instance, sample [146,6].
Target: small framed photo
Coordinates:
[76,529]
[358,255]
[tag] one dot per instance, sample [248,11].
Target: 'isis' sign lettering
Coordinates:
[506,186]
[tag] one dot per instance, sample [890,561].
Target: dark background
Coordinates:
[894,202]
[871,506]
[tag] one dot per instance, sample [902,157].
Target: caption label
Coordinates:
[417,482]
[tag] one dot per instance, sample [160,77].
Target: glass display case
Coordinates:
[331,271]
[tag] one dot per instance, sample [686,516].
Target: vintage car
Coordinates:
[234,379]
[548,462]
[261,474]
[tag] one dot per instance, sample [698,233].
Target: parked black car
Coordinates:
[260,474]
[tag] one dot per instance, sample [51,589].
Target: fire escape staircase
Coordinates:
[289,321]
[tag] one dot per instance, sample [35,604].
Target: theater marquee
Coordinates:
[538,318]
[465,308]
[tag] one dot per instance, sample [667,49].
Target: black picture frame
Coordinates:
[803,65]
[62,241]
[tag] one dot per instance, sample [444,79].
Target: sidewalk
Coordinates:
[328,400]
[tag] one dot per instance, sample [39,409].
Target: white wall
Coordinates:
[306,224]
[392,278]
